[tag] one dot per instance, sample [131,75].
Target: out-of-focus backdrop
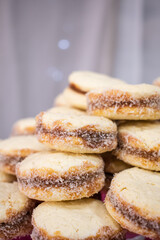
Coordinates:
[42,41]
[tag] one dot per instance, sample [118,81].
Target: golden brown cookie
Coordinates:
[15,149]
[15,212]
[76,133]
[26,126]
[139,144]
[80,220]
[126,102]
[134,201]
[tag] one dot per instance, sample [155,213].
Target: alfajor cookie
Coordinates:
[113,164]
[60,176]
[80,220]
[15,212]
[26,126]
[5,177]
[81,82]
[134,201]
[139,144]
[15,149]
[132,102]
[76,133]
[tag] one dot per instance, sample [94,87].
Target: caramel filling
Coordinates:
[72,181]
[151,155]
[131,215]
[10,161]
[18,225]
[103,102]
[76,89]
[91,138]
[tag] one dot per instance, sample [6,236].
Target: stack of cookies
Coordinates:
[83,146]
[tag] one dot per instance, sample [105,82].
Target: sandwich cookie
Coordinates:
[26,126]
[15,212]
[54,176]
[134,201]
[81,82]
[80,220]
[123,101]
[139,144]
[76,133]
[15,149]
[113,164]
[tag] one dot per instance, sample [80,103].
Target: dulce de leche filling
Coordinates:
[128,149]
[91,138]
[76,89]
[131,215]
[18,225]
[10,161]
[71,181]
[105,101]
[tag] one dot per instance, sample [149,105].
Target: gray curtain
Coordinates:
[42,41]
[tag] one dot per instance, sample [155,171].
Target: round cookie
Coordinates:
[26,126]
[139,144]
[15,212]
[80,220]
[123,101]
[113,164]
[134,201]
[80,82]
[15,149]
[76,133]
[5,177]
[60,176]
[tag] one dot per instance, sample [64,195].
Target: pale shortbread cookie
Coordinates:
[24,126]
[75,99]
[15,149]
[81,82]
[132,102]
[76,133]
[134,201]
[15,212]
[113,164]
[61,101]
[60,176]
[5,177]
[156,82]
[139,144]
[78,220]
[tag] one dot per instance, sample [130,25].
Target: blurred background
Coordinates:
[43,41]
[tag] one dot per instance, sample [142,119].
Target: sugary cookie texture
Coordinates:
[15,212]
[123,101]
[80,220]
[134,201]
[81,82]
[76,133]
[26,126]
[60,176]
[15,149]
[139,144]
